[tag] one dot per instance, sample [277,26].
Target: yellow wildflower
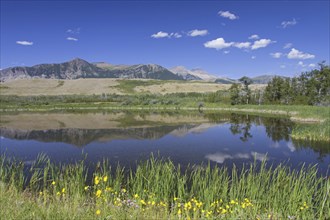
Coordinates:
[96,180]
[108,189]
[179,212]
[175,198]
[53,183]
[98,212]
[98,193]
[86,187]
[305,205]
[63,190]
[40,193]
[105,178]
[123,190]
[58,193]
[142,202]
[136,196]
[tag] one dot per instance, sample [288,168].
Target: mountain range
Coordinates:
[79,68]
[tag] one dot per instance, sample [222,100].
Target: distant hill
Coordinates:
[79,68]
[194,74]
[200,74]
[225,80]
[264,79]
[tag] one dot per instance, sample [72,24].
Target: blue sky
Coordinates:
[225,38]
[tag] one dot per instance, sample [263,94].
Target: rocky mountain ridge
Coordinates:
[79,68]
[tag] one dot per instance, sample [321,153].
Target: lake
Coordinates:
[223,139]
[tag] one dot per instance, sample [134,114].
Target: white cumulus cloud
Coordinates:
[227,14]
[254,37]
[312,65]
[276,55]
[176,35]
[296,54]
[218,44]
[286,24]
[24,43]
[72,38]
[160,34]
[226,52]
[195,33]
[261,43]
[241,45]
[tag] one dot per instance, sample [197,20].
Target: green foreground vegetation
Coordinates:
[157,189]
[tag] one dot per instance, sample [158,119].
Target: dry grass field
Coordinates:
[27,87]
[30,87]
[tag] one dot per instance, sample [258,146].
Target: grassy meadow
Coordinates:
[157,189]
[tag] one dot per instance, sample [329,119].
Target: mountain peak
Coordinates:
[196,72]
[78,60]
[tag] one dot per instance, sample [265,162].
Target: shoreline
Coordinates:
[293,115]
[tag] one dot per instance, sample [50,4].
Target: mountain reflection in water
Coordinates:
[188,138]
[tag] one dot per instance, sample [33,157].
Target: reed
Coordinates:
[312,132]
[158,189]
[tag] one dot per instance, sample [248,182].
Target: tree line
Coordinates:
[309,88]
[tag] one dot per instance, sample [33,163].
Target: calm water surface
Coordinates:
[127,137]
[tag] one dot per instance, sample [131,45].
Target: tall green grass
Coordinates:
[157,189]
[312,132]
